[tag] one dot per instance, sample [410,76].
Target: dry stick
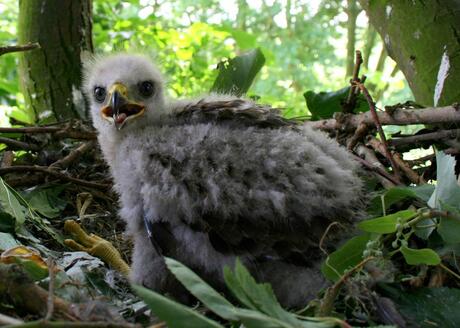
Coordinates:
[16,144]
[327,303]
[359,134]
[8,158]
[73,155]
[17,48]
[351,99]
[54,173]
[438,135]
[60,132]
[431,115]
[371,162]
[411,174]
[371,103]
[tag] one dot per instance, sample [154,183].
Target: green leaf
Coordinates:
[420,256]
[449,228]
[447,189]
[7,222]
[256,296]
[10,204]
[237,74]
[427,307]
[346,257]
[201,290]
[7,241]
[173,313]
[386,224]
[46,201]
[323,105]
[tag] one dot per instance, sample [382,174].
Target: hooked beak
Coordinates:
[119,109]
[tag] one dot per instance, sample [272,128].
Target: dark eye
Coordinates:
[146,88]
[99,94]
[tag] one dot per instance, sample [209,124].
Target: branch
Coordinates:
[18,145]
[56,174]
[349,122]
[18,48]
[418,140]
[59,131]
[73,155]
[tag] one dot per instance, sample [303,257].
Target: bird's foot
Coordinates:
[95,246]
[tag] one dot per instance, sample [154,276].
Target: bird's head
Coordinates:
[125,91]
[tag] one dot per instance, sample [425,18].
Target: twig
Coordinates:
[418,139]
[323,237]
[350,103]
[360,132]
[50,303]
[431,115]
[59,131]
[371,162]
[456,275]
[411,174]
[18,145]
[54,173]
[375,117]
[327,303]
[19,48]
[7,159]
[73,155]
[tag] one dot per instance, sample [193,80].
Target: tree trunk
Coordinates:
[423,38]
[50,77]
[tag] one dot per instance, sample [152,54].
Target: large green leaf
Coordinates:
[201,290]
[173,313]
[237,74]
[449,228]
[346,257]
[256,296]
[46,201]
[10,204]
[386,224]
[420,256]
[427,307]
[323,105]
[7,241]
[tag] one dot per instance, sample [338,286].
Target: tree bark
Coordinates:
[423,37]
[50,77]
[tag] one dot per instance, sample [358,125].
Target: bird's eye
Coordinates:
[99,94]
[146,88]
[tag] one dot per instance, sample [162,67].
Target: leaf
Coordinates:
[28,258]
[386,224]
[10,204]
[427,307]
[449,228]
[346,257]
[46,201]
[420,256]
[7,222]
[256,296]
[7,241]
[173,313]
[237,74]
[201,290]
[398,194]
[447,189]
[323,105]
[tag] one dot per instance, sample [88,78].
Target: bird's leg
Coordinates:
[95,246]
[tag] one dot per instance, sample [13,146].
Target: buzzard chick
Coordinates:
[216,179]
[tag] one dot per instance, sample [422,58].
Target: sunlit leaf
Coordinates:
[420,256]
[447,189]
[386,224]
[10,204]
[237,74]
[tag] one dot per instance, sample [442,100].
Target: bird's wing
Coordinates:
[238,111]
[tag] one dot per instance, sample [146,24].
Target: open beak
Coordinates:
[119,109]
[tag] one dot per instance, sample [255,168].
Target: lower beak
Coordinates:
[120,108]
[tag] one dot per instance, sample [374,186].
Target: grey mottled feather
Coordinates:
[226,177]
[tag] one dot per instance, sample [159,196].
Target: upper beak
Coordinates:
[119,108]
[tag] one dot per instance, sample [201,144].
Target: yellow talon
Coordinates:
[95,246]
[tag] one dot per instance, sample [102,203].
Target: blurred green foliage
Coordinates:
[304,46]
